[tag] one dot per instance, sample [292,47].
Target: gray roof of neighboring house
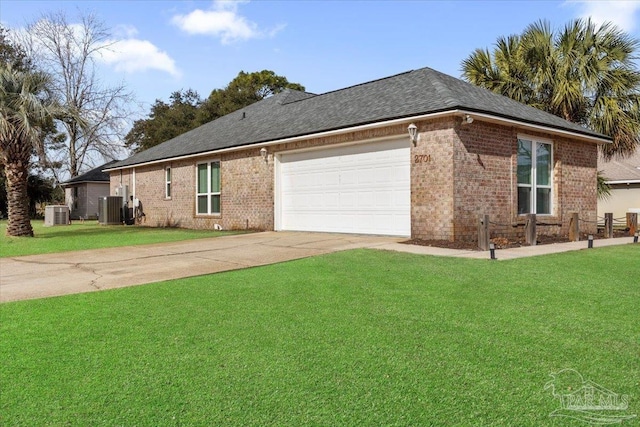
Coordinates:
[621,169]
[292,113]
[94,175]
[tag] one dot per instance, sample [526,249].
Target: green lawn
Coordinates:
[91,235]
[357,338]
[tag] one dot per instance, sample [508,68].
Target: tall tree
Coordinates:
[165,121]
[12,54]
[187,111]
[582,73]
[24,107]
[67,52]
[243,90]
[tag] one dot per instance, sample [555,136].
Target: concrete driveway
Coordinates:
[37,276]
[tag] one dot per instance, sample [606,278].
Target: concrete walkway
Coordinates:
[37,276]
[512,253]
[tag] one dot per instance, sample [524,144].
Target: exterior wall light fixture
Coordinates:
[467,119]
[413,133]
[263,153]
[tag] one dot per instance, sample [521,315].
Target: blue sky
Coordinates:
[163,46]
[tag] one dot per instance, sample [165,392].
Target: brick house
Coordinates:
[344,161]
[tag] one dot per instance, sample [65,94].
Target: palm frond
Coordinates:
[584,73]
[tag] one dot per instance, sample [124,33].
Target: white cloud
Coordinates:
[622,13]
[134,55]
[122,51]
[223,21]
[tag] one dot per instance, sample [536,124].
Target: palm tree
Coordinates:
[604,190]
[583,73]
[24,109]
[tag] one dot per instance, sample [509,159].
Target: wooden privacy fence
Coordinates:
[530,227]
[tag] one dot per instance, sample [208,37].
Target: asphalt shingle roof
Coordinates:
[94,175]
[621,169]
[292,113]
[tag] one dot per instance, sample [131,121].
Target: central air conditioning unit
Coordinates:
[56,215]
[110,210]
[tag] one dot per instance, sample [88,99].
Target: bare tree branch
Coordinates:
[68,51]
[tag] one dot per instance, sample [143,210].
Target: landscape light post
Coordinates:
[492,250]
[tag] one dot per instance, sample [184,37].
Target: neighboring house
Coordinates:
[623,176]
[81,193]
[343,161]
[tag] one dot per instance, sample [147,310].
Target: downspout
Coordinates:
[511,178]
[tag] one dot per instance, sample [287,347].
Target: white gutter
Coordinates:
[479,116]
[624,181]
[540,128]
[66,184]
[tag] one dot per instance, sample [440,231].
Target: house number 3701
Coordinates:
[422,158]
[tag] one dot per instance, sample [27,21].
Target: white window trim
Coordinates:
[167,182]
[209,193]
[534,178]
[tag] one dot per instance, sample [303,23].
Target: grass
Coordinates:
[91,235]
[357,338]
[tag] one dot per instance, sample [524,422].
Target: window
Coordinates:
[208,188]
[167,182]
[534,177]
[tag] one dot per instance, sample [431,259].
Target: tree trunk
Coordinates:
[73,159]
[18,223]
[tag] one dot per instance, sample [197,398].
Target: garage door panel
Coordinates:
[366,199]
[400,201]
[328,178]
[352,189]
[381,202]
[348,177]
[348,201]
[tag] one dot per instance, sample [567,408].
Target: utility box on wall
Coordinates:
[110,210]
[56,215]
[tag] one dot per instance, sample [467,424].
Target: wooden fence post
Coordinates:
[530,233]
[632,222]
[608,225]
[483,233]
[574,227]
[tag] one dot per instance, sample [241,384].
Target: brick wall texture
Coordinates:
[458,173]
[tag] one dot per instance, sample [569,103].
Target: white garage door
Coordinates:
[354,189]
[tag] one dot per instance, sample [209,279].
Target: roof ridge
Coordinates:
[289,93]
[442,88]
[365,83]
